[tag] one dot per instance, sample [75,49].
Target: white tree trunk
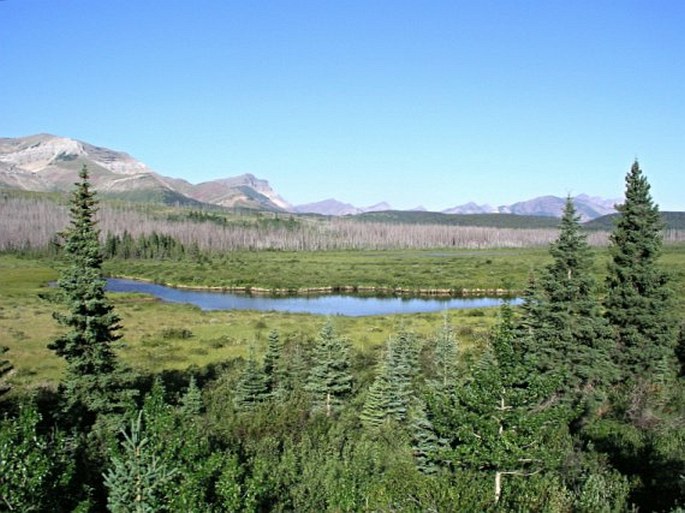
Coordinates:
[498,486]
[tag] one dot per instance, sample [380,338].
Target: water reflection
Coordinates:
[347,305]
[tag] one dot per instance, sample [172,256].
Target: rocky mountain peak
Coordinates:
[34,153]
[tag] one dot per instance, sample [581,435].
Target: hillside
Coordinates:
[672,221]
[47,163]
[480,220]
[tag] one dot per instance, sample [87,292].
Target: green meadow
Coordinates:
[456,269]
[159,336]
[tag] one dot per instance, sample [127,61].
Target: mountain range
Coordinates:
[47,162]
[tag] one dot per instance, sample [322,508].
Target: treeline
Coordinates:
[31,224]
[153,245]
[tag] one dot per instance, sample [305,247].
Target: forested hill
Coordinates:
[671,220]
[478,220]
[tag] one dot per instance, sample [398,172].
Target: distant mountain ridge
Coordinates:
[45,162]
[587,207]
[333,207]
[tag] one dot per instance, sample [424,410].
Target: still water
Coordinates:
[347,305]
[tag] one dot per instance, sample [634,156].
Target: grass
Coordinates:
[159,336]
[457,269]
[408,269]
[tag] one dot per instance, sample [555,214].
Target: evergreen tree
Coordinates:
[177,440]
[393,388]
[445,356]
[497,421]
[568,335]
[401,368]
[638,302]
[191,402]
[425,443]
[329,380]
[137,478]
[642,433]
[273,364]
[251,388]
[295,368]
[376,406]
[90,383]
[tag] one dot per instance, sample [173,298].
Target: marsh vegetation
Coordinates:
[571,402]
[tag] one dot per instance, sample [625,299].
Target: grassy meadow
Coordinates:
[408,269]
[159,336]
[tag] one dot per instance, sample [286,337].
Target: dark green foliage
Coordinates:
[153,246]
[680,350]
[191,402]
[436,218]
[194,475]
[34,468]
[329,381]
[274,365]
[393,389]
[295,367]
[497,420]
[641,432]
[425,443]
[639,303]
[377,404]
[402,368]
[252,387]
[670,220]
[566,332]
[87,347]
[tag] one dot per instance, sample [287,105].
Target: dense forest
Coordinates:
[574,401]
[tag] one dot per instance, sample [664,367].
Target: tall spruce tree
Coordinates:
[569,337]
[424,442]
[392,391]
[402,368]
[376,406]
[329,380]
[251,388]
[90,383]
[638,301]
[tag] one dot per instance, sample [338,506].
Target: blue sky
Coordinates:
[421,102]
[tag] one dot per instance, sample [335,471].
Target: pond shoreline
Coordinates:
[350,304]
[331,290]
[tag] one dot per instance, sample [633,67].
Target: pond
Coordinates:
[346,305]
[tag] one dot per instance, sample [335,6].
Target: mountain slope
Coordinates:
[46,162]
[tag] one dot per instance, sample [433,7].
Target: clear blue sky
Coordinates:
[421,102]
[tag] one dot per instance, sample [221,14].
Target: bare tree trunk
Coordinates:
[498,486]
